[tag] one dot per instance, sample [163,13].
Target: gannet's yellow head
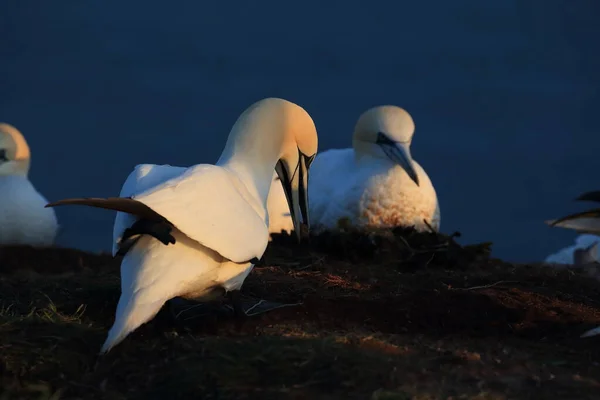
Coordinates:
[14,152]
[276,132]
[386,131]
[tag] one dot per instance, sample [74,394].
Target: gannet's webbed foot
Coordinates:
[159,230]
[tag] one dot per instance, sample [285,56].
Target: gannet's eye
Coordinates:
[3,157]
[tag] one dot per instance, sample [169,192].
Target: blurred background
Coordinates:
[504,94]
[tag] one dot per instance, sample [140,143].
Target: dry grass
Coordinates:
[385,315]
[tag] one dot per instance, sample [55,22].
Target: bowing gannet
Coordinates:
[214,215]
[375,184]
[23,218]
[587,222]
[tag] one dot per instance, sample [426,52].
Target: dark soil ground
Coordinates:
[392,315]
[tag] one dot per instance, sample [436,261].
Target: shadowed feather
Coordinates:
[123,204]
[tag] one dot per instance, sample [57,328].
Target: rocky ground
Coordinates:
[383,315]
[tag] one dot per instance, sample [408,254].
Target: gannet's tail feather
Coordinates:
[130,315]
[124,204]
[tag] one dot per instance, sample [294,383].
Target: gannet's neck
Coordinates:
[252,157]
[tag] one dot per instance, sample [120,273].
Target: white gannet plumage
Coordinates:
[215,214]
[374,184]
[23,218]
[582,252]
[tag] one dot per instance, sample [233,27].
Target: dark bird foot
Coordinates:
[159,230]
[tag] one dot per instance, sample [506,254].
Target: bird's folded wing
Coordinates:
[213,207]
[142,178]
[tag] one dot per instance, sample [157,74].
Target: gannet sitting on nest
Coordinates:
[375,184]
[215,215]
[584,222]
[23,218]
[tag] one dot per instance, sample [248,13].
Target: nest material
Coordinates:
[406,248]
[364,327]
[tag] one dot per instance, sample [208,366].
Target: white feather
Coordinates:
[142,178]
[566,255]
[372,192]
[202,201]
[152,273]
[23,218]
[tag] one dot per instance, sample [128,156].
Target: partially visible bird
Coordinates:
[374,184]
[583,222]
[584,251]
[214,215]
[23,218]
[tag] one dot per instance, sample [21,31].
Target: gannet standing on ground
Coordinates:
[375,184]
[215,215]
[587,222]
[23,218]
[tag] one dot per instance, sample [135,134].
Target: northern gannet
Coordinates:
[215,215]
[374,184]
[23,218]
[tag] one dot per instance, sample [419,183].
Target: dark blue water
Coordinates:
[504,95]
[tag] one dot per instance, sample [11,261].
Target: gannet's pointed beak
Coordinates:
[295,187]
[399,153]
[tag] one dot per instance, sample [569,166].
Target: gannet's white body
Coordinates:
[371,185]
[23,218]
[584,247]
[217,214]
